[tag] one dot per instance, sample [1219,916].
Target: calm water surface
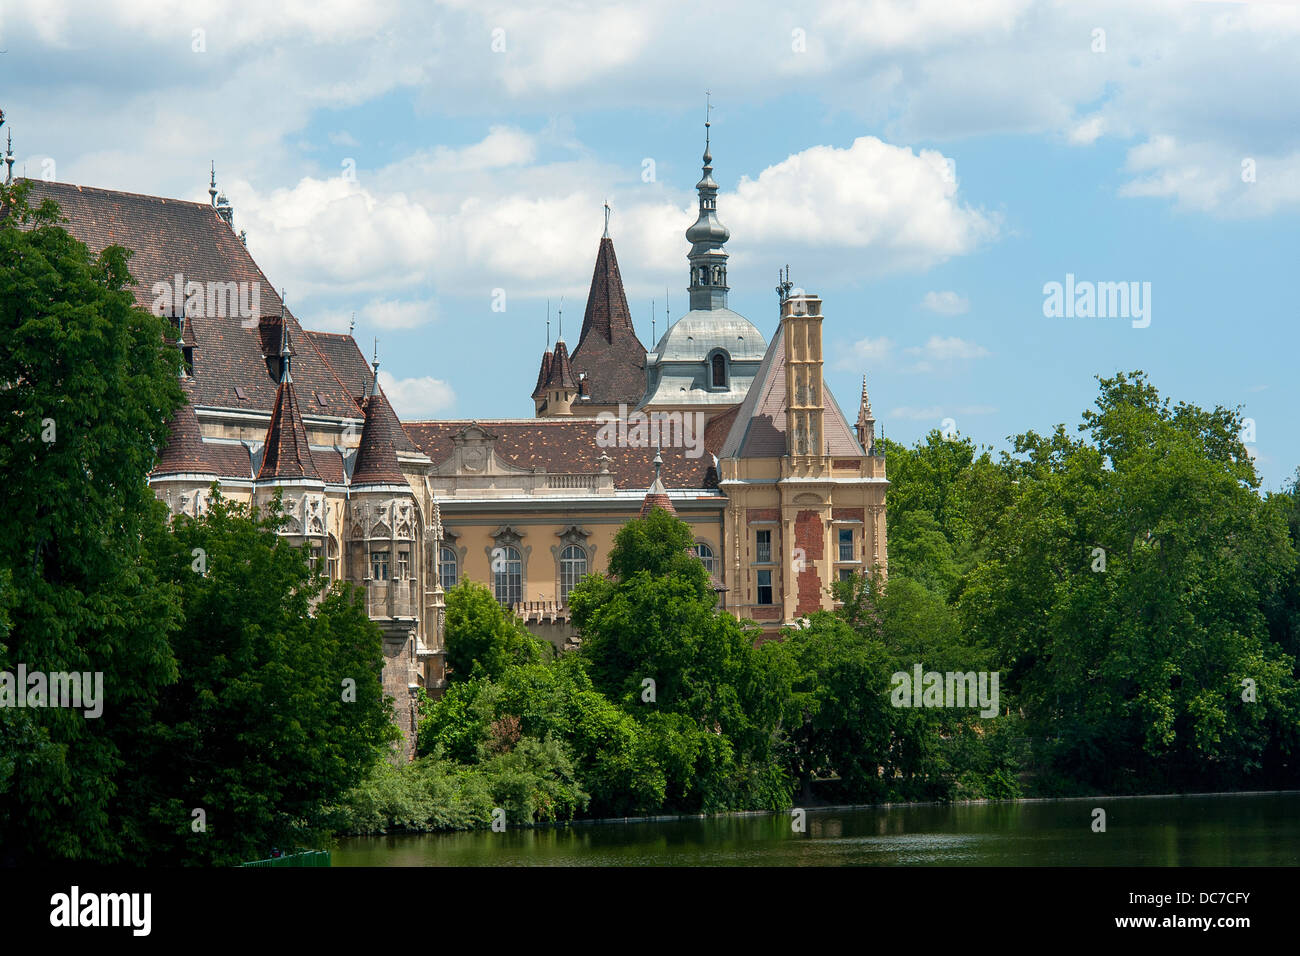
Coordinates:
[1217,830]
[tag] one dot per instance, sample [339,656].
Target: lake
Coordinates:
[1200,830]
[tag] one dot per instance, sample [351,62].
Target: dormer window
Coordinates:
[718,377]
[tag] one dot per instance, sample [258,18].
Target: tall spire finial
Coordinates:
[372,387]
[560,338]
[606,235]
[653,338]
[708,108]
[285,352]
[212,184]
[548,325]
[352,325]
[9,158]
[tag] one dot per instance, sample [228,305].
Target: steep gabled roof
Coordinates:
[287,454]
[168,237]
[609,351]
[380,438]
[758,430]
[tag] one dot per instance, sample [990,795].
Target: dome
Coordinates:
[699,332]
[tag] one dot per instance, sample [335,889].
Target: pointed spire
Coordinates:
[866,424]
[9,158]
[606,234]
[184,453]
[607,313]
[377,453]
[212,185]
[561,375]
[287,454]
[543,375]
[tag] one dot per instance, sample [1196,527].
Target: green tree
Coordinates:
[279,709]
[1125,592]
[655,641]
[87,384]
[482,637]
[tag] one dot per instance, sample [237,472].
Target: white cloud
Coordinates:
[866,351]
[945,303]
[872,195]
[392,314]
[1086,131]
[419,397]
[941,348]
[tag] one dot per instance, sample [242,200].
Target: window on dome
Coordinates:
[719,371]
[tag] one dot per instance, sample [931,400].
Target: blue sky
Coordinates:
[1112,156]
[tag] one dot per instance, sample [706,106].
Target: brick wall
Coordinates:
[810,536]
[848,514]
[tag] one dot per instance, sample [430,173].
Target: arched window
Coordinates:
[573,566]
[719,370]
[507,575]
[705,554]
[447,567]
[332,558]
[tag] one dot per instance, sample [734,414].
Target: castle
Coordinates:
[782,494]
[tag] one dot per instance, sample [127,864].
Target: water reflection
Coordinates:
[1236,829]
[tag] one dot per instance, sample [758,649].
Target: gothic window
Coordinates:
[379,565]
[719,364]
[507,575]
[447,567]
[705,554]
[573,566]
[403,565]
[314,555]
[764,587]
[332,557]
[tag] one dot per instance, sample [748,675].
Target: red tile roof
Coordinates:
[570,446]
[377,454]
[287,454]
[185,452]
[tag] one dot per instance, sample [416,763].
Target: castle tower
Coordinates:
[801,326]
[287,464]
[561,386]
[385,553]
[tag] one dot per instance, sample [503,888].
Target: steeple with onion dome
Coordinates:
[707,237]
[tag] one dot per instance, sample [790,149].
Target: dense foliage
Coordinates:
[220,680]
